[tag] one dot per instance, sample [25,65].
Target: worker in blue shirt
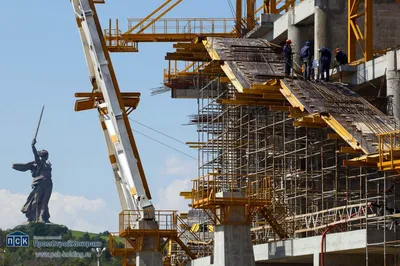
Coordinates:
[325,62]
[306,57]
[288,56]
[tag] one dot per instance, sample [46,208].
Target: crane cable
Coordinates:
[159,132]
[159,142]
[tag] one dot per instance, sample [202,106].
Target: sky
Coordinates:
[42,63]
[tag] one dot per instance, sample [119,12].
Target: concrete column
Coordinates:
[321,33]
[233,245]
[297,36]
[147,256]
[393,80]
[316,258]
[232,241]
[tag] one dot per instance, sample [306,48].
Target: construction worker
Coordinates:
[306,57]
[340,59]
[288,55]
[325,62]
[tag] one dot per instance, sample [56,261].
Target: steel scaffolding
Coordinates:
[311,187]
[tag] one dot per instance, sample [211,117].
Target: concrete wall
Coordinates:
[310,245]
[336,13]
[206,261]
[386,23]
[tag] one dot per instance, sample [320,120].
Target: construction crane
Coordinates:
[132,187]
[131,183]
[140,224]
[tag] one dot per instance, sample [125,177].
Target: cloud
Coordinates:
[168,197]
[178,167]
[75,212]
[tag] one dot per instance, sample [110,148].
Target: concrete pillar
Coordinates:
[232,241]
[393,81]
[148,256]
[297,36]
[316,258]
[233,245]
[321,33]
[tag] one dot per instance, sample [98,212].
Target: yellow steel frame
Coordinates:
[250,14]
[130,100]
[118,41]
[389,151]
[152,14]
[167,229]
[254,193]
[355,35]
[125,252]
[238,24]
[269,6]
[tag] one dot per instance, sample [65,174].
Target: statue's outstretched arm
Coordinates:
[35,153]
[23,167]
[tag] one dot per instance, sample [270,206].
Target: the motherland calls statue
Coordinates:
[36,208]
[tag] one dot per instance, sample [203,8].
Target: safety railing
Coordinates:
[165,30]
[176,69]
[181,25]
[198,245]
[115,44]
[389,150]
[170,26]
[119,246]
[282,6]
[234,189]
[131,221]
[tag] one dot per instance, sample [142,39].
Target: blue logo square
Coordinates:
[17,239]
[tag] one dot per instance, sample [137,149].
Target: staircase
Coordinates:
[277,215]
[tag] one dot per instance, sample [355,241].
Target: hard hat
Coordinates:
[43,153]
[337,50]
[288,41]
[308,43]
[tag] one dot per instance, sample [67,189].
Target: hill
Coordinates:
[80,234]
